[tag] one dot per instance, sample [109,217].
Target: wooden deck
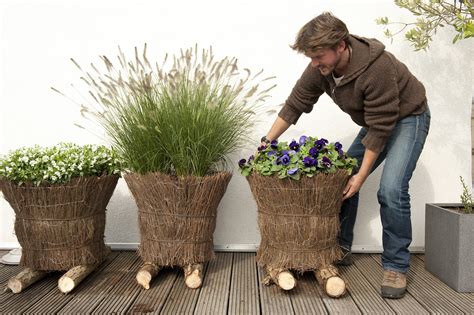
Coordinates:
[232,285]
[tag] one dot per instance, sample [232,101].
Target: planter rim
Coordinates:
[444,205]
[176,176]
[46,185]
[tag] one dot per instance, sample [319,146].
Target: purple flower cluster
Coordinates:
[315,154]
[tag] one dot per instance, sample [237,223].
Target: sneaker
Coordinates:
[12,258]
[394,284]
[346,259]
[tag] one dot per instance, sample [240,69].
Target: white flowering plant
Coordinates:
[58,164]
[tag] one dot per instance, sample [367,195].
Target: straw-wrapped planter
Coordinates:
[298,220]
[177,217]
[298,215]
[60,226]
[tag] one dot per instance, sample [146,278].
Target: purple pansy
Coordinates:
[292,171]
[309,161]
[261,148]
[274,144]
[338,148]
[285,160]
[319,144]
[314,152]
[302,140]
[271,153]
[251,158]
[242,163]
[326,162]
[294,146]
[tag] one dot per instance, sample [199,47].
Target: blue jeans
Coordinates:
[401,154]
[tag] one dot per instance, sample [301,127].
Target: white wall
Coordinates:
[38,38]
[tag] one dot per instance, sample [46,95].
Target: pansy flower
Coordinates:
[292,171]
[319,144]
[326,162]
[309,161]
[314,152]
[285,160]
[274,144]
[338,148]
[302,140]
[294,146]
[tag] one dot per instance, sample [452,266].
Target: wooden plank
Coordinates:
[20,302]
[6,272]
[343,305]
[152,301]
[463,301]
[214,296]
[244,289]
[421,257]
[306,298]
[123,293]
[86,299]
[273,300]
[423,293]
[182,300]
[55,299]
[366,297]
[373,272]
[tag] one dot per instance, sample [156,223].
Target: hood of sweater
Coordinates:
[364,52]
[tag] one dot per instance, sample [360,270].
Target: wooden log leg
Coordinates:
[281,277]
[24,279]
[329,280]
[193,275]
[74,276]
[146,273]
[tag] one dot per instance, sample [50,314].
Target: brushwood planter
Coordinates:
[449,245]
[298,220]
[60,226]
[177,216]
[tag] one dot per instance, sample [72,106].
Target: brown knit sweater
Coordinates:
[377,91]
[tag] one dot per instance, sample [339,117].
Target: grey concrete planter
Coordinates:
[449,245]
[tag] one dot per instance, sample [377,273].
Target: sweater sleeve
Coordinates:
[304,95]
[381,103]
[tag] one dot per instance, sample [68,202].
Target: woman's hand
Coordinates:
[353,186]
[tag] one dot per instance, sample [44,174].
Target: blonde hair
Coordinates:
[324,31]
